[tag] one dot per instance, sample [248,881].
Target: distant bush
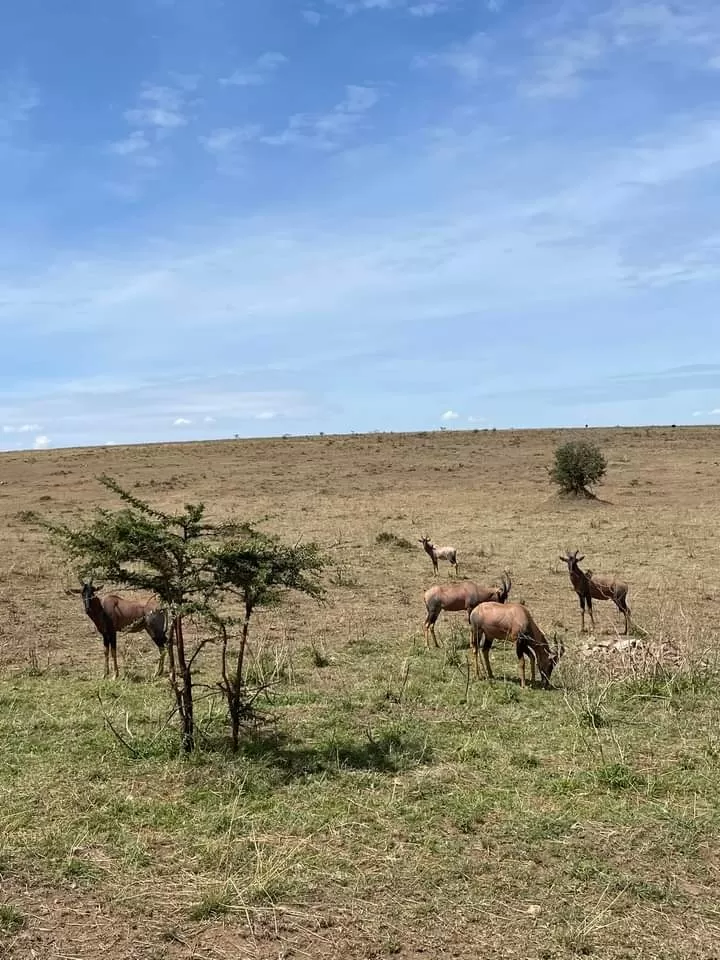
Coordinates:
[577,466]
[389,539]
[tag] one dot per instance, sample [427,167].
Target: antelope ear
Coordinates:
[564,559]
[72,593]
[581,557]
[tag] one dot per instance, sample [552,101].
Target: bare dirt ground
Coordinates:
[501,824]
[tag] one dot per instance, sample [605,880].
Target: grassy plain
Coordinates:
[394,809]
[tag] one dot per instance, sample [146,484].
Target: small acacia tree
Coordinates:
[195,568]
[578,465]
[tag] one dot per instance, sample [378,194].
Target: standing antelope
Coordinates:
[439,553]
[591,586]
[459,596]
[113,614]
[512,622]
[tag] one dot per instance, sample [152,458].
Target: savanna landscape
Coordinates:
[392,805]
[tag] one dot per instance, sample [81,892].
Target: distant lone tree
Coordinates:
[578,465]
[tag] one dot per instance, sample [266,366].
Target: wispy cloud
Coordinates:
[22,428]
[257,73]
[132,410]
[563,63]
[161,111]
[566,55]
[544,149]
[417,8]
[450,415]
[160,108]
[41,442]
[429,8]
[326,131]
[312,17]
[136,147]
[228,146]
[468,59]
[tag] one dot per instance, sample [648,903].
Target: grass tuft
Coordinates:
[12,920]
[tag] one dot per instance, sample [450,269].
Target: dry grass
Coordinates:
[393,809]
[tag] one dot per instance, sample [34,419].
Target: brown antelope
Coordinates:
[591,586]
[512,622]
[112,614]
[459,596]
[439,553]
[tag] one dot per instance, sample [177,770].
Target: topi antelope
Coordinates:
[112,614]
[591,586]
[459,596]
[512,622]
[439,553]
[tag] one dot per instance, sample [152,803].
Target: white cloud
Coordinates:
[41,442]
[258,73]
[23,428]
[423,8]
[228,146]
[477,420]
[135,147]
[464,249]
[430,7]
[715,412]
[450,415]
[468,59]
[564,59]
[139,410]
[562,65]
[135,143]
[312,17]
[327,130]
[161,108]
[221,139]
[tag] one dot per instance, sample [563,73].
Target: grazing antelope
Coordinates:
[512,622]
[459,596]
[591,586]
[112,614]
[439,553]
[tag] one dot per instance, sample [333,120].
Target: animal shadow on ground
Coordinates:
[386,751]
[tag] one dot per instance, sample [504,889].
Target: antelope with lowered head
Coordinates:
[459,596]
[112,614]
[512,622]
[439,553]
[591,586]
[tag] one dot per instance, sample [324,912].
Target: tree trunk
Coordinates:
[182,686]
[235,698]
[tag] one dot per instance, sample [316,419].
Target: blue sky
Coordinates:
[254,217]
